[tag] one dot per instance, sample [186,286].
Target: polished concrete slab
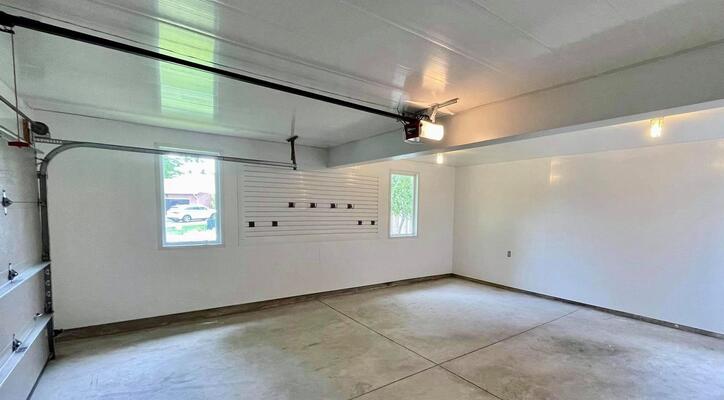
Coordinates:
[432,384]
[502,345]
[592,355]
[304,351]
[444,319]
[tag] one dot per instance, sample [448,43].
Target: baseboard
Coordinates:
[598,308]
[164,320]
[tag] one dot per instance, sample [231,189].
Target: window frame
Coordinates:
[161,204]
[416,201]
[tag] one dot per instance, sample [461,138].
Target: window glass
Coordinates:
[403,204]
[190,198]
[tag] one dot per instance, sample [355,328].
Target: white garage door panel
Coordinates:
[19,374]
[19,302]
[22,299]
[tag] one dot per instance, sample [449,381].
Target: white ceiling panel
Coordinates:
[388,54]
[681,128]
[637,9]
[108,84]
[461,27]
[556,23]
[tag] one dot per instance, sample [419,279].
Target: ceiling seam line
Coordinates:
[514,26]
[436,42]
[623,17]
[337,73]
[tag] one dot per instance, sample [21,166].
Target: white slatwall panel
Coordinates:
[268,191]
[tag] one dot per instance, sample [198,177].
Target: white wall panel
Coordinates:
[635,230]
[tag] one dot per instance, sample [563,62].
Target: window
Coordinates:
[403,204]
[190,200]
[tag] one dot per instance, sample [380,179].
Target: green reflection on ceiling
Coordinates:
[185,91]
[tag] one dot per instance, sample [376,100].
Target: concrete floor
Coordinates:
[446,339]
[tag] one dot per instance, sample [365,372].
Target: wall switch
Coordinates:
[510,253]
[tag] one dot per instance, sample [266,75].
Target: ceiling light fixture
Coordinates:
[657,127]
[425,127]
[416,130]
[431,131]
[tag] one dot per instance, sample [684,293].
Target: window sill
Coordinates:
[403,236]
[190,246]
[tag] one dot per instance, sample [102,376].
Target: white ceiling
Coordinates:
[680,128]
[384,53]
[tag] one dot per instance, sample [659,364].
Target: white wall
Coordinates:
[633,230]
[104,235]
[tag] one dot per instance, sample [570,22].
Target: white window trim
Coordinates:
[416,203]
[161,204]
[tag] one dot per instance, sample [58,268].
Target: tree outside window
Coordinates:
[403,204]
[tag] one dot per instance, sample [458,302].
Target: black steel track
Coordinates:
[11,21]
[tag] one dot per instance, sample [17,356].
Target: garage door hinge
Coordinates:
[18,345]
[6,202]
[11,272]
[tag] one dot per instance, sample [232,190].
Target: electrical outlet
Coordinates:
[510,253]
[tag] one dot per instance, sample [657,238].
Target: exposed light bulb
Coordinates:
[440,158]
[657,127]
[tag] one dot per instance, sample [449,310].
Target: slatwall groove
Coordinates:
[304,207]
[282,214]
[311,213]
[267,191]
[348,232]
[281,172]
[269,228]
[264,206]
[256,195]
[294,180]
[305,222]
[303,200]
[311,181]
[307,219]
[332,185]
[308,189]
